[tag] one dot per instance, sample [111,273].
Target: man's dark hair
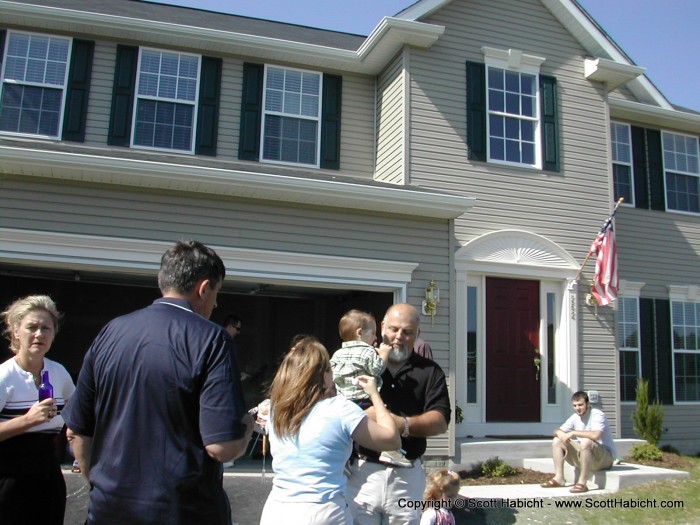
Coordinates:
[187,263]
[580,395]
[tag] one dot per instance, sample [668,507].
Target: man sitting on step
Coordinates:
[584,441]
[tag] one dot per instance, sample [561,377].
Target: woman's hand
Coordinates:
[41,412]
[368,384]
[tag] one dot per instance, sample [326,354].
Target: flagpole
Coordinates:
[617,205]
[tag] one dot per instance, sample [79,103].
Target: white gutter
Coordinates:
[217,181]
[654,116]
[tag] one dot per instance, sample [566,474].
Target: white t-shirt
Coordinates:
[18,392]
[309,467]
[594,419]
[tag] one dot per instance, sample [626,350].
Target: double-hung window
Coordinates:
[513,123]
[628,344]
[621,147]
[165,111]
[685,321]
[292,116]
[682,171]
[512,111]
[34,77]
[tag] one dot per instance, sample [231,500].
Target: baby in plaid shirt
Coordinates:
[357,356]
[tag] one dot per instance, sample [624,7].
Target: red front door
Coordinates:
[512,344]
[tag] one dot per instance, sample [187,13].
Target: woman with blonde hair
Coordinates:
[30,471]
[311,432]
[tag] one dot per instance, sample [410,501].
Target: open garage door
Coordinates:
[271,314]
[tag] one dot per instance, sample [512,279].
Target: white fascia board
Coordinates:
[379,47]
[142,257]
[219,181]
[671,119]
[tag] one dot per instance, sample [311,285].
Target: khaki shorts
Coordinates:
[601,457]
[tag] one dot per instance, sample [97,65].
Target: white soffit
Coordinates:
[611,73]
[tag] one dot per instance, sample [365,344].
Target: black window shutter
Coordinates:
[476,111]
[656,170]
[330,121]
[639,165]
[251,111]
[208,113]
[647,342]
[550,131]
[664,351]
[123,96]
[3,36]
[78,91]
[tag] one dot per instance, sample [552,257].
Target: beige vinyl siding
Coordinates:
[230,108]
[100,100]
[357,116]
[357,127]
[568,207]
[658,249]
[391,123]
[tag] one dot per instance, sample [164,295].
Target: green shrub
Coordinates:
[646,452]
[497,468]
[648,419]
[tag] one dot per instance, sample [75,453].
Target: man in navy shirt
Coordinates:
[159,405]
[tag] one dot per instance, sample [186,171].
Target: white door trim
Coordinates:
[514,254]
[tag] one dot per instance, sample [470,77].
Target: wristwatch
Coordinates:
[406,427]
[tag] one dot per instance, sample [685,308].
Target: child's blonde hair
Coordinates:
[438,483]
[351,321]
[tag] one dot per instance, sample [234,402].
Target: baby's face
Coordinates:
[369,335]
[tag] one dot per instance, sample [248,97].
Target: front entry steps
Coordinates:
[536,454]
[472,451]
[618,477]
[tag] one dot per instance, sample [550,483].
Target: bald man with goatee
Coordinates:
[415,391]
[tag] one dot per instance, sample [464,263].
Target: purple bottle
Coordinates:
[45,388]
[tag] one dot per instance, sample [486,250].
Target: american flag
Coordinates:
[606,282]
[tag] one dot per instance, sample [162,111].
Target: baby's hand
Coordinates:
[383,351]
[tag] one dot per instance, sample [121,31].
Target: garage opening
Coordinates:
[270,314]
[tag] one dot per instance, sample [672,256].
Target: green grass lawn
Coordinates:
[685,493]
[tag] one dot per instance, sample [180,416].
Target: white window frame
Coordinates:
[614,145]
[630,290]
[317,118]
[63,87]
[513,60]
[667,171]
[194,103]
[682,294]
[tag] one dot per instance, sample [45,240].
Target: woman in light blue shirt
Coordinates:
[311,433]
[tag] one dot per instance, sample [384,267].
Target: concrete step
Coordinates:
[471,452]
[619,476]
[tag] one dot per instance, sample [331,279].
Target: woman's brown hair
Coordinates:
[298,386]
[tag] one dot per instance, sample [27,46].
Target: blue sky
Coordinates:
[660,35]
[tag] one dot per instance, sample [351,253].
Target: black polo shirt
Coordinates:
[156,386]
[418,386]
